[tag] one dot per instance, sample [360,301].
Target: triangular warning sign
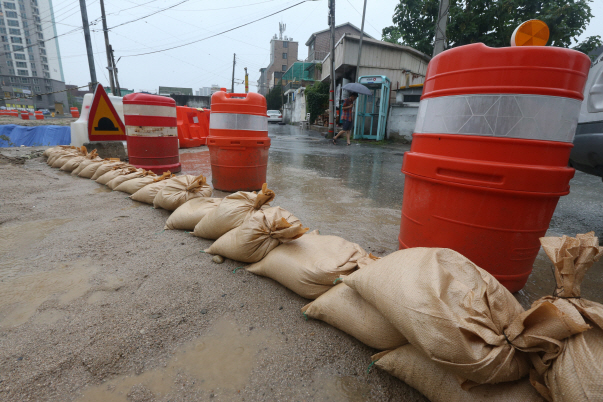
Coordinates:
[104,124]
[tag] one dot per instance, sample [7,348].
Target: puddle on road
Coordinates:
[223,359]
[20,297]
[196,163]
[15,242]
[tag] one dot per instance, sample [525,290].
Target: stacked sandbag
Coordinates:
[97,161]
[343,308]
[132,186]
[232,211]
[181,189]
[148,193]
[107,167]
[574,372]
[439,385]
[57,152]
[74,163]
[258,235]
[116,172]
[187,215]
[89,171]
[48,151]
[134,175]
[309,265]
[459,315]
[66,157]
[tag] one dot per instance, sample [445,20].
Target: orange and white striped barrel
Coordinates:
[24,116]
[39,115]
[74,112]
[151,132]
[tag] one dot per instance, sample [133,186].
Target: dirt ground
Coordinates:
[48,121]
[98,303]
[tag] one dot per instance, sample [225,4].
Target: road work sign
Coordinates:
[104,123]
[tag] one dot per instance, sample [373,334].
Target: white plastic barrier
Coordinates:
[79,128]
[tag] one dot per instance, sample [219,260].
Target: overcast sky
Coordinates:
[209,61]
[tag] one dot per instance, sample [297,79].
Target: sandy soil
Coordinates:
[48,121]
[98,303]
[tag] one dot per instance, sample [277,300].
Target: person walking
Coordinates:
[346,117]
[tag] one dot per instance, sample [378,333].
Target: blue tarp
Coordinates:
[34,136]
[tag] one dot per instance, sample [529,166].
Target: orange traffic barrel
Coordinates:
[488,160]
[24,116]
[39,115]
[203,115]
[151,132]
[238,141]
[188,127]
[74,112]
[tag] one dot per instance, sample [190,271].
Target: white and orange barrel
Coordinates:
[39,115]
[74,112]
[151,132]
[24,116]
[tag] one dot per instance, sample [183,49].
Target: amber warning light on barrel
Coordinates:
[531,33]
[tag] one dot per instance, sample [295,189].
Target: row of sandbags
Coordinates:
[446,327]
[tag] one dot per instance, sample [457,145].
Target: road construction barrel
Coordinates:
[188,127]
[24,116]
[151,133]
[238,141]
[39,115]
[203,115]
[74,112]
[488,160]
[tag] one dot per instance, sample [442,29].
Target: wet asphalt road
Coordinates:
[359,191]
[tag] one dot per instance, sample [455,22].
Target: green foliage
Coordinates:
[491,22]
[274,99]
[317,99]
[589,45]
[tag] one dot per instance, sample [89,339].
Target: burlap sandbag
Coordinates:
[187,215]
[107,167]
[116,172]
[309,265]
[575,371]
[439,385]
[73,163]
[132,186]
[181,189]
[58,152]
[147,193]
[343,308]
[258,235]
[96,162]
[65,156]
[134,175]
[48,151]
[459,315]
[232,211]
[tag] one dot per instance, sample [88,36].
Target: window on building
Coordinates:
[22,6]
[39,97]
[41,44]
[43,51]
[13,79]
[26,32]
[35,10]
[17,48]
[284,67]
[10,6]
[44,59]
[16,39]
[48,88]
[35,80]
[9,63]
[39,27]
[47,75]
[3,30]
[14,31]
[22,72]
[7,48]
[19,56]
[21,64]
[11,72]
[285,44]
[34,2]
[12,23]
[4,38]
[25,81]
[24,23]
[1,21]
[284,55]
[37,89]
[28,41]
[40,36]
[31,57]
[11,14]
[34,73]
[37,19]
[29,49]
[45,66]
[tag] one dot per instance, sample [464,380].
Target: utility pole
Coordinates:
[86,27]
[107,47]
[246,81]
[117,87]
[440,34]
[360,44]
[332,62]
[234,62]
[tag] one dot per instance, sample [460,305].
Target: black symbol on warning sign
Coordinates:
[105,124]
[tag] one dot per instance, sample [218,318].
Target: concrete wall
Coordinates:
[401,122]
[294,110]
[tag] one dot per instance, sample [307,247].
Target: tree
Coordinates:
[274,99]
[491,22]
[317,99]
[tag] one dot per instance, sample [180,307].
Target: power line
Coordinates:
[220,33]
[148,15]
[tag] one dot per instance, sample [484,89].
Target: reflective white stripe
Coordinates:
[149,110]
[135,131]
[232,121]
[534,117]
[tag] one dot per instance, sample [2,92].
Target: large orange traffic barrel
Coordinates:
[238,141]
[488,160]
[74,112]
[188,127]
[151,132]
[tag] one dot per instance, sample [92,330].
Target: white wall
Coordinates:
[53,52]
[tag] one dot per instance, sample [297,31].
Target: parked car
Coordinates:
[275,116]
[44,111]
[587,154]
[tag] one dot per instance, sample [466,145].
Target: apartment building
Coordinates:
[283,53]
[30,58]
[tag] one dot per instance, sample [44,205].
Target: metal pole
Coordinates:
[234,61]
[86,27]
[360,44]
[440,33]
[332,62]
[246,81]
[117,87]
[107,47]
